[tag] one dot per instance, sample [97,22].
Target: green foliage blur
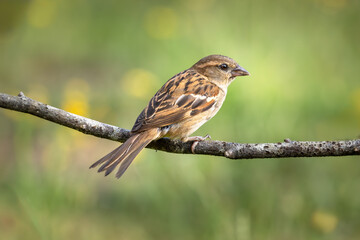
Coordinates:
[105,60]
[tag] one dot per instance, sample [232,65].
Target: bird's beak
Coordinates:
[239,71]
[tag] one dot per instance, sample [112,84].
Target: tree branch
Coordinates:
[288,148]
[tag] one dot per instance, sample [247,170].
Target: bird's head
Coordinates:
[219,69]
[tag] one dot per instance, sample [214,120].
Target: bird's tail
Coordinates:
[126,153]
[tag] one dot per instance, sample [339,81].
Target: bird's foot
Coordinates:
[196,140]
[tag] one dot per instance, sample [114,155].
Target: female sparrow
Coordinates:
[179,108]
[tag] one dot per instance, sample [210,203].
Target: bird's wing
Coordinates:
[183,96]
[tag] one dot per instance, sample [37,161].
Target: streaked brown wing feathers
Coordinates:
[183,96]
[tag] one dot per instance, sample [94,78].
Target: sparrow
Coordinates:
[184,103]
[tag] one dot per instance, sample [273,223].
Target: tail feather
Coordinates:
[103,159]
[107,160]
[112,161]
[126,163]
[125,153]
[111,168]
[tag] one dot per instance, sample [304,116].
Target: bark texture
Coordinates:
[231,150]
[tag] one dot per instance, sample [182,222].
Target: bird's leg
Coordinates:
[195,140]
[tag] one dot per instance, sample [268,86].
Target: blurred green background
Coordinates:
[105,60]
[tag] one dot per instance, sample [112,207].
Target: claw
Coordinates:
[207,136]
[193,146]
[196,140]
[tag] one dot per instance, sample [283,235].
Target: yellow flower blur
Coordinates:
[41,13]
[140,83]
[323,221]
[161,22]
[76,97]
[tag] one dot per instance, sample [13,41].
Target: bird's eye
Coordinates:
[223,66]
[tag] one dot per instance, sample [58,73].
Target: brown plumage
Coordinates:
[179,108]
